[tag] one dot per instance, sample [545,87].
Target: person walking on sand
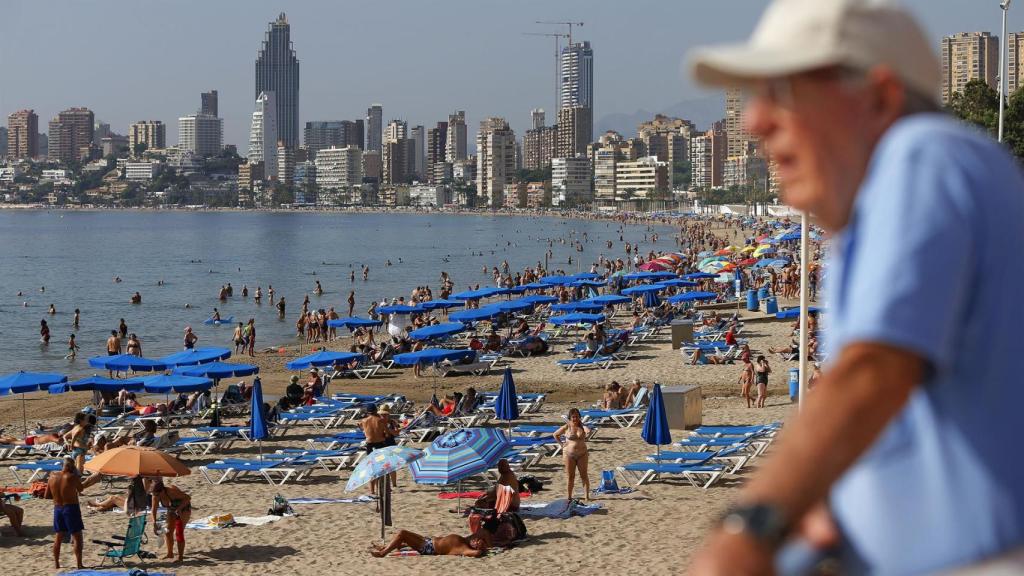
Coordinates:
[898,461]
[574,452]
[179,511]
[65,486]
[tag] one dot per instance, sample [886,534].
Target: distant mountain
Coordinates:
[701,111]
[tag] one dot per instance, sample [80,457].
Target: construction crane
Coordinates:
[569,24]
[558,77]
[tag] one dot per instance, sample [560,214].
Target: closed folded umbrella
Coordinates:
[506,406]
[131,461]
[257,419]
[655,429]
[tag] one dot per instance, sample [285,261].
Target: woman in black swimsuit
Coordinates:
[761,372]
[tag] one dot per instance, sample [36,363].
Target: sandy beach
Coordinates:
[336,536]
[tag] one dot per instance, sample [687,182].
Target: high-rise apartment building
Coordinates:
[263,135]
[537,118]
[71,135]
[374,127]
[22,135]
[208,103]
[418,135]
[1015,62]
[285,163]
[575,125]
[437,137]
[201,134]
[318,135]
[396,130]
[3,142]
[707,158]
[496,161]
[643,178]
[577,89]
[571,182]
[277,72]
[667,139]
[967,56]
[339,168]
[539,147]
[735,130]
[456,141]
[151,133]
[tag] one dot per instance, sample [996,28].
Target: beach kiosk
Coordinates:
[684,406]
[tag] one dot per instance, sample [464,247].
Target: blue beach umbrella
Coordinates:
[517,305]
[699,275]
[588,283]
[648,275]
[478,294]
[257,419]
[322,358]
[578,306]
[539,299]
[609,299]
[167,383]
[515,290]
[475,314]
[678,283]
[537,286]
[585,276]
[656,422]
[437,331]
[506,406]
[22,382]
[643,289]
[440,304]
[576,318]
[96,382]
[432,356]
[219,370]
[126,362]
[459,454]
[691,297]
[558,280]
[194,356]
[353,322]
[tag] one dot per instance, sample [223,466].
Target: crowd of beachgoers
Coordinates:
[597,339]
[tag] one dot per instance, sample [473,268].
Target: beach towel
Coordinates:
[559,509]
[360,500]
[472,495]
[409,552]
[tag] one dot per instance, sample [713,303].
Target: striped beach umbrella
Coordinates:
[459,454]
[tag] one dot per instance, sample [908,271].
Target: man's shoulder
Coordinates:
[933,131]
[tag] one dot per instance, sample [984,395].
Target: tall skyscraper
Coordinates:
[263,136]
[22,135]
[339,168]
[577,90]
[318,135]
[419,140]
[374,127]
[71,135]
[437,137]
[496,161]
[539,147]
[152,133]
[208,103]
[396,130]
[285,164]
[968,56]
[201,134]
[277,71]
[398,153]
[574,126]
[1015,61]
[537,118]
[456,143]
[736,132]
[707,158]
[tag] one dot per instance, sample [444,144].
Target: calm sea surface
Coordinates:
[77,255]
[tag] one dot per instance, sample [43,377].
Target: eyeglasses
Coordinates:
[780,91]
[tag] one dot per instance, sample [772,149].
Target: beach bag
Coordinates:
[280,507]
[531,483]
[608,483]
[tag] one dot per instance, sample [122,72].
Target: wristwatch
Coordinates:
[763,522]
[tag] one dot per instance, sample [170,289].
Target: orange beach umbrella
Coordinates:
[133,461]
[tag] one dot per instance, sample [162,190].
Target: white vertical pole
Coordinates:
[804,296]
[1005,5]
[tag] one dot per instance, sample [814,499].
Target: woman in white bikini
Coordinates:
[574,452]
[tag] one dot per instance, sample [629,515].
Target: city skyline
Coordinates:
[155,85]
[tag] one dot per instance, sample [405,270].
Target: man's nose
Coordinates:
[758,118]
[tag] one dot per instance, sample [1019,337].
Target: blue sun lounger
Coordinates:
[755,446]
[733,455]
[269,468]
[640,473]
[718,431]
[37,468]
[571,364]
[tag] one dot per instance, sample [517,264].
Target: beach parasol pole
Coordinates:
[24,415]
[804,296]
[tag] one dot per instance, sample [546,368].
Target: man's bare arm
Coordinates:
[850,406]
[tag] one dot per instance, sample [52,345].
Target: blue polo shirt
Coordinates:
[932,261]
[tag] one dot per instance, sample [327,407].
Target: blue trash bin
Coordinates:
[771,305]
[794,384]
[752,303]
[762,293]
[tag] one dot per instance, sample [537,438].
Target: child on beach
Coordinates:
[72,348]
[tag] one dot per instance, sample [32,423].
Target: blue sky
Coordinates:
[130,60]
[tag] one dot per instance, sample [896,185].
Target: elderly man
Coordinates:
[903,459]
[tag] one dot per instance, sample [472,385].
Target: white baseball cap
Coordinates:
[796,36]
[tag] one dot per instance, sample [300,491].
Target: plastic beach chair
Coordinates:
[571,364]
[640,473]
[128,545]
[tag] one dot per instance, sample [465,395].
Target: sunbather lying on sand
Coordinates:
[473,546]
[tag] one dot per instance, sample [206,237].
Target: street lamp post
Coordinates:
[1005,5]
